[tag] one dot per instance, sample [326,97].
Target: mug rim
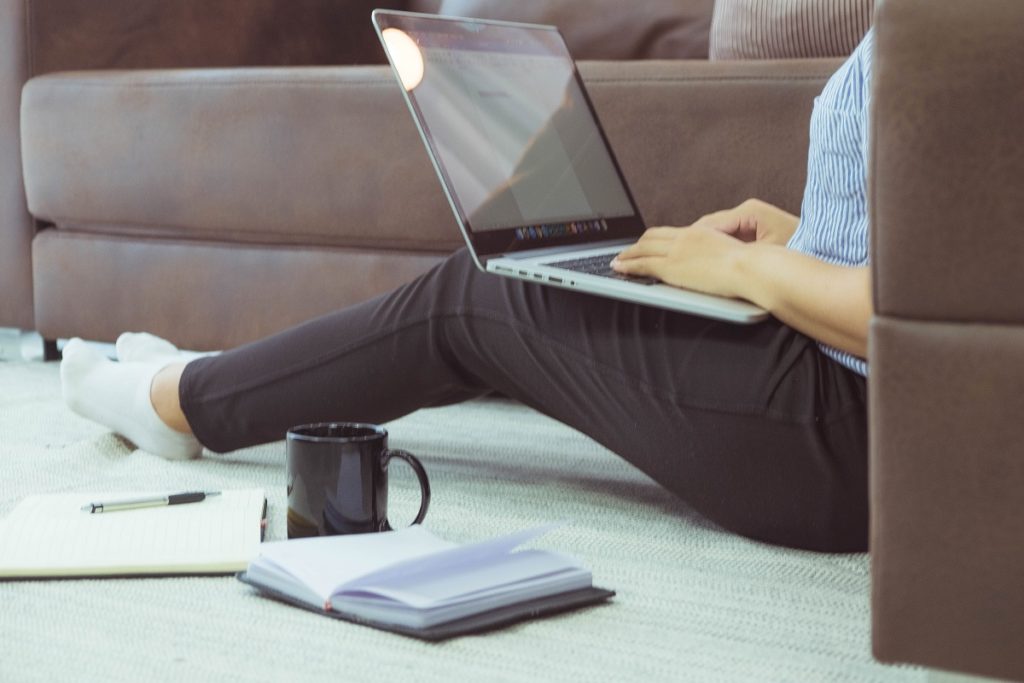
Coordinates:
[295,435]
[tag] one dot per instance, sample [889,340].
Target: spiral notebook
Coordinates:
[49,536]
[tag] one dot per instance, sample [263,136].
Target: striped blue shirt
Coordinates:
[834,216]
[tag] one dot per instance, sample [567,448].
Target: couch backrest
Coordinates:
[603,29]
[138,34]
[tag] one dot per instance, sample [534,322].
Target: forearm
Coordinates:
[830,303]
[741,253]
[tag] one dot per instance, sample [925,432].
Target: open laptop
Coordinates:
[522,158]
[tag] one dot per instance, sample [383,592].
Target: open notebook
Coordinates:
[414,583]
[50,536]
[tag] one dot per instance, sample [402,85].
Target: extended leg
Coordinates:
[751,425]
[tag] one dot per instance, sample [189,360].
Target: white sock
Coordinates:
[143,346]
[117,396]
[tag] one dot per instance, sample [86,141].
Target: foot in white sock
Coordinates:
[143,346]
[117,396]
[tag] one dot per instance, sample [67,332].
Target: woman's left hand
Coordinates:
[700,257]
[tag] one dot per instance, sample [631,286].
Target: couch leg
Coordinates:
[50,351]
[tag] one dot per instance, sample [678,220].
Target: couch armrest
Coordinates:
[332,156]
[15,223]
[947,345]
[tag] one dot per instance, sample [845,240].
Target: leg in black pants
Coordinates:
[751,425]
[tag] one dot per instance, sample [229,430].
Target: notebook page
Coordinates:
[463,558]
[323,563]
[497,575]
[333,563]
[51,536]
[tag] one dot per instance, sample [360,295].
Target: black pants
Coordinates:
[750,424]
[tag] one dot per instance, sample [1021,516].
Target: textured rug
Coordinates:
[694,603]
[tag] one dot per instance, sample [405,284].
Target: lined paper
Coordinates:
[50,535]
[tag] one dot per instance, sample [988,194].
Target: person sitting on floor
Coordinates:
[761,428]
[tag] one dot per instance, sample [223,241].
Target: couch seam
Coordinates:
[92,236]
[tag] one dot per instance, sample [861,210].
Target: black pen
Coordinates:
[150,502]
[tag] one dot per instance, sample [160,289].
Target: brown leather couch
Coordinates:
[214,206]
[298,191]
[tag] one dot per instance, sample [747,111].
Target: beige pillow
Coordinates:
[788,29]
[603,29]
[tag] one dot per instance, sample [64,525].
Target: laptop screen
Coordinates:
[511,132]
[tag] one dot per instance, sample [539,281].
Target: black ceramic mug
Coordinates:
[338,479]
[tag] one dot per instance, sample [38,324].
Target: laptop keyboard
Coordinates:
[599,265]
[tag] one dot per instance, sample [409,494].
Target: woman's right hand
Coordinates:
[753,221]
[701,256]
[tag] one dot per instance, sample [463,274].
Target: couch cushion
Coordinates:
[946,481]
[604,29]
[284,156]
[788,29]
[203,294]
[331,156]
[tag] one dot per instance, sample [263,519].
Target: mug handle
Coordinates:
[421,474]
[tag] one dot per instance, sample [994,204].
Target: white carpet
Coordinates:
[693,604]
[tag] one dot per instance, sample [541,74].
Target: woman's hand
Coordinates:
[741,253]
[699,257]
[702,256]
[753,221]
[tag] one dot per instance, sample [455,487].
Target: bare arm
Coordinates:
[827,302]
[741,253]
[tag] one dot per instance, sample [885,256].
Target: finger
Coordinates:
[728,227]
[743,228]
[646,265]
[645,248]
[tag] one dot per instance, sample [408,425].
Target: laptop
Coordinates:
[526,167]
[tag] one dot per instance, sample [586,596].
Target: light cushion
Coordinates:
[788,29]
